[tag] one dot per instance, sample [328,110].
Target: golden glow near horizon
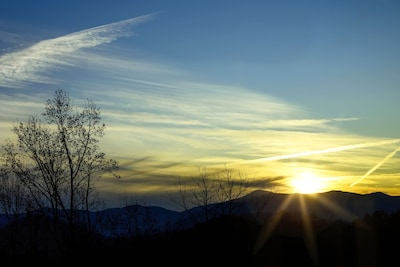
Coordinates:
[307,183]
[362,166]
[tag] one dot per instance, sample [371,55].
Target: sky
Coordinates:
[280,92]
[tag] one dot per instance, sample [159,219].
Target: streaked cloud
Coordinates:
[301,124]
[29,65]
[332,150]
[11,38]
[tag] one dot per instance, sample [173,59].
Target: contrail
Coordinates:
[329,150]
[26,65]
[389,156]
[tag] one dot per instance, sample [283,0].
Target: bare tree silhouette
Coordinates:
[56,158]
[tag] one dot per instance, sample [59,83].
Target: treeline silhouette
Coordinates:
[372,240]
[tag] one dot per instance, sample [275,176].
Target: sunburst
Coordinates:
[307,183]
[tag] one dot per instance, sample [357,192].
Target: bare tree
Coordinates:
[182,197]
[231,189]
[14,202]
[204,193]
[57,159]
[207,190]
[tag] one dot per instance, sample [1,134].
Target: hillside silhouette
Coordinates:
[271,235]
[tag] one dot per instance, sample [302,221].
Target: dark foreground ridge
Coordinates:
[347,230]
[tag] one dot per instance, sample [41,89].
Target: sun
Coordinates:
[307,183]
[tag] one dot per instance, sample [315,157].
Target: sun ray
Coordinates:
[308,228]
[340,212]
[270,227]
[310,240]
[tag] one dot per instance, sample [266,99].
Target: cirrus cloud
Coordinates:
[28,65]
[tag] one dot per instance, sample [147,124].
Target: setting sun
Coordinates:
[307,183]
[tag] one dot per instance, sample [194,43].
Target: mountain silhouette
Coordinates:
[263,205]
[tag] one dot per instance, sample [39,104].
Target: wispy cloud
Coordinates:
[301,124]
[11,38]
[29,65]
[331,150]
[159,106]
[15,107]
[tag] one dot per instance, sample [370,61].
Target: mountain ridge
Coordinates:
[261,204]
[343,205]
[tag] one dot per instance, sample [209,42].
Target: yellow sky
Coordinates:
[271,159]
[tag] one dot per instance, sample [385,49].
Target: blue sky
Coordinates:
[270,88]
